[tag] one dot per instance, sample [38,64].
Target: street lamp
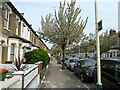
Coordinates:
[98,84]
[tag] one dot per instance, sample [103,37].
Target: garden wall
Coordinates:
[29,78]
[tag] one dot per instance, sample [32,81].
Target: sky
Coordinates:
[34,9]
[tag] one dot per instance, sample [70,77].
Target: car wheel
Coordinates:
[68,67]
[82,77]
[75,72]
[65,64]
[95,77]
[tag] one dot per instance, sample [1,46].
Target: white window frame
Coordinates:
[23,29]
[9,11]
[12,54]
[17,24]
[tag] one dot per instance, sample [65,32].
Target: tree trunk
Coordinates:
[60,55]
[63,64]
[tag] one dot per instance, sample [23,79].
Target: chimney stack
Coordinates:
[31,25]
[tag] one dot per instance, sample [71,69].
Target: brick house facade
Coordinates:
[16,34]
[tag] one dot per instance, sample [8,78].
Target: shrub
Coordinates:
[18,64]
[37,55]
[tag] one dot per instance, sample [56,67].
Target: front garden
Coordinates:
[25,74]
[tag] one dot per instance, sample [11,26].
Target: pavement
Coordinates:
[57,78]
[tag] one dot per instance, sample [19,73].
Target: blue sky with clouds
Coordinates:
[107,11]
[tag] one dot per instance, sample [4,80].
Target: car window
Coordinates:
[108,64]
[75,59]
[117,66]
[71,61]
[88,63]
[105,64]
[117,71]
[109,69]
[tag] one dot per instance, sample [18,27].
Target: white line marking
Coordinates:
[48,82]
[47,66]
[61,70]
[42,82]
[86,87]
[78,86]
[61,84]
[43,79]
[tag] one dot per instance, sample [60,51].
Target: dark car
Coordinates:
[85,69]
[110,73]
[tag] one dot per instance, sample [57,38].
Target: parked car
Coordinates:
[110,73]
[85,69]
[66,58]
[71,63]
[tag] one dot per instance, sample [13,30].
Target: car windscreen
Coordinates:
[67,57]
[73,60]
[86,63]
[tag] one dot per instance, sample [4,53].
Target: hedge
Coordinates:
[37,55]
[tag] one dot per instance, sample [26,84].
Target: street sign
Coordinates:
[100,25]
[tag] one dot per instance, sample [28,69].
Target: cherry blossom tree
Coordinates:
[64,28]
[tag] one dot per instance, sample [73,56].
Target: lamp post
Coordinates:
[98,84]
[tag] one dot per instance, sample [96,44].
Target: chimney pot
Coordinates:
[22,14]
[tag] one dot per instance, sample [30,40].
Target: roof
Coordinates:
[27,47]
[115,47]
[35,46]
[18,37]
[44,44]
[24,40]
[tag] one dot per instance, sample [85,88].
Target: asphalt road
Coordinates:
[89,84]
[57,78]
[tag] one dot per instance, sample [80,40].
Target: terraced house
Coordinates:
[16,34]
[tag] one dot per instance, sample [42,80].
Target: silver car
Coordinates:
[71,62]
